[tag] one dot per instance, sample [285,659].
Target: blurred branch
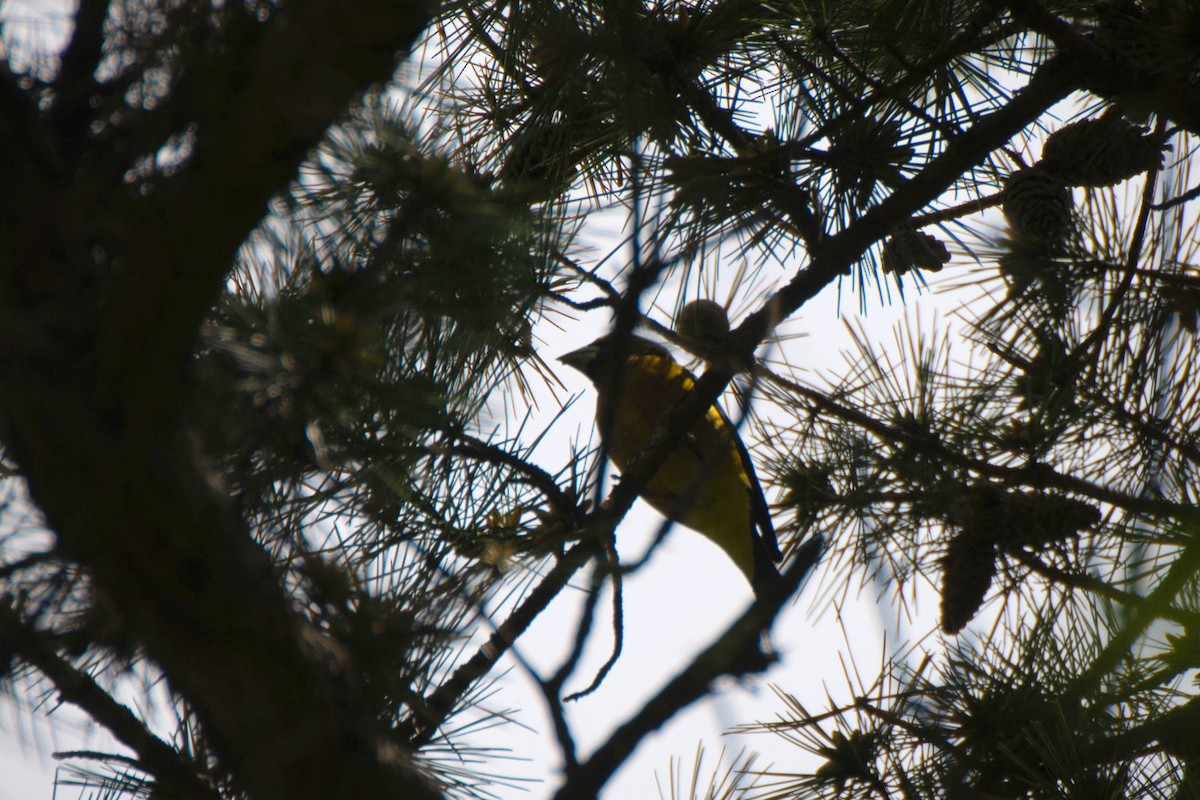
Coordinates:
[583,629]
[618,624]
[1088,583]
[23,143]
[73,85]
[1117,649]
[259,102]
[160,759]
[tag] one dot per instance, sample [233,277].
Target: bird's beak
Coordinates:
[581,358]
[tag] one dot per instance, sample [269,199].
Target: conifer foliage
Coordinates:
[277,279]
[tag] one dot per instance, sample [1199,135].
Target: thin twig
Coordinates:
[618,612]
[433,710]
[736,652]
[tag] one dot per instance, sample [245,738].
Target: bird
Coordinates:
[707,482]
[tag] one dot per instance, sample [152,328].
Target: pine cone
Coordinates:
[1036,520]
[1038,205]
[907,250]
[1012,520]
[703,321]
[967,571]
[1101,152]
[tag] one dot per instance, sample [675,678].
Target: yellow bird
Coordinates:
[707,482]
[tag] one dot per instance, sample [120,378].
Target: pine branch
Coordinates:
[1034,474]
[105,457]
[790,198]
[170,768]
[832,256]
[964,42]
[1137,240]
[541,480]
[1112,75]
[964,209]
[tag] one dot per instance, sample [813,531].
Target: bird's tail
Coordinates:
[767,578]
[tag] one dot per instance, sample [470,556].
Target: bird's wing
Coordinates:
[760,514]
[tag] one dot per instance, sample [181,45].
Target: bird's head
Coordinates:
[595,360]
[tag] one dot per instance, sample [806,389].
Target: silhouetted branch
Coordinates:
[155,756]
[736,652]
[438,705]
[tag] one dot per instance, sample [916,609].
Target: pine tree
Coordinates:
[273,282]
